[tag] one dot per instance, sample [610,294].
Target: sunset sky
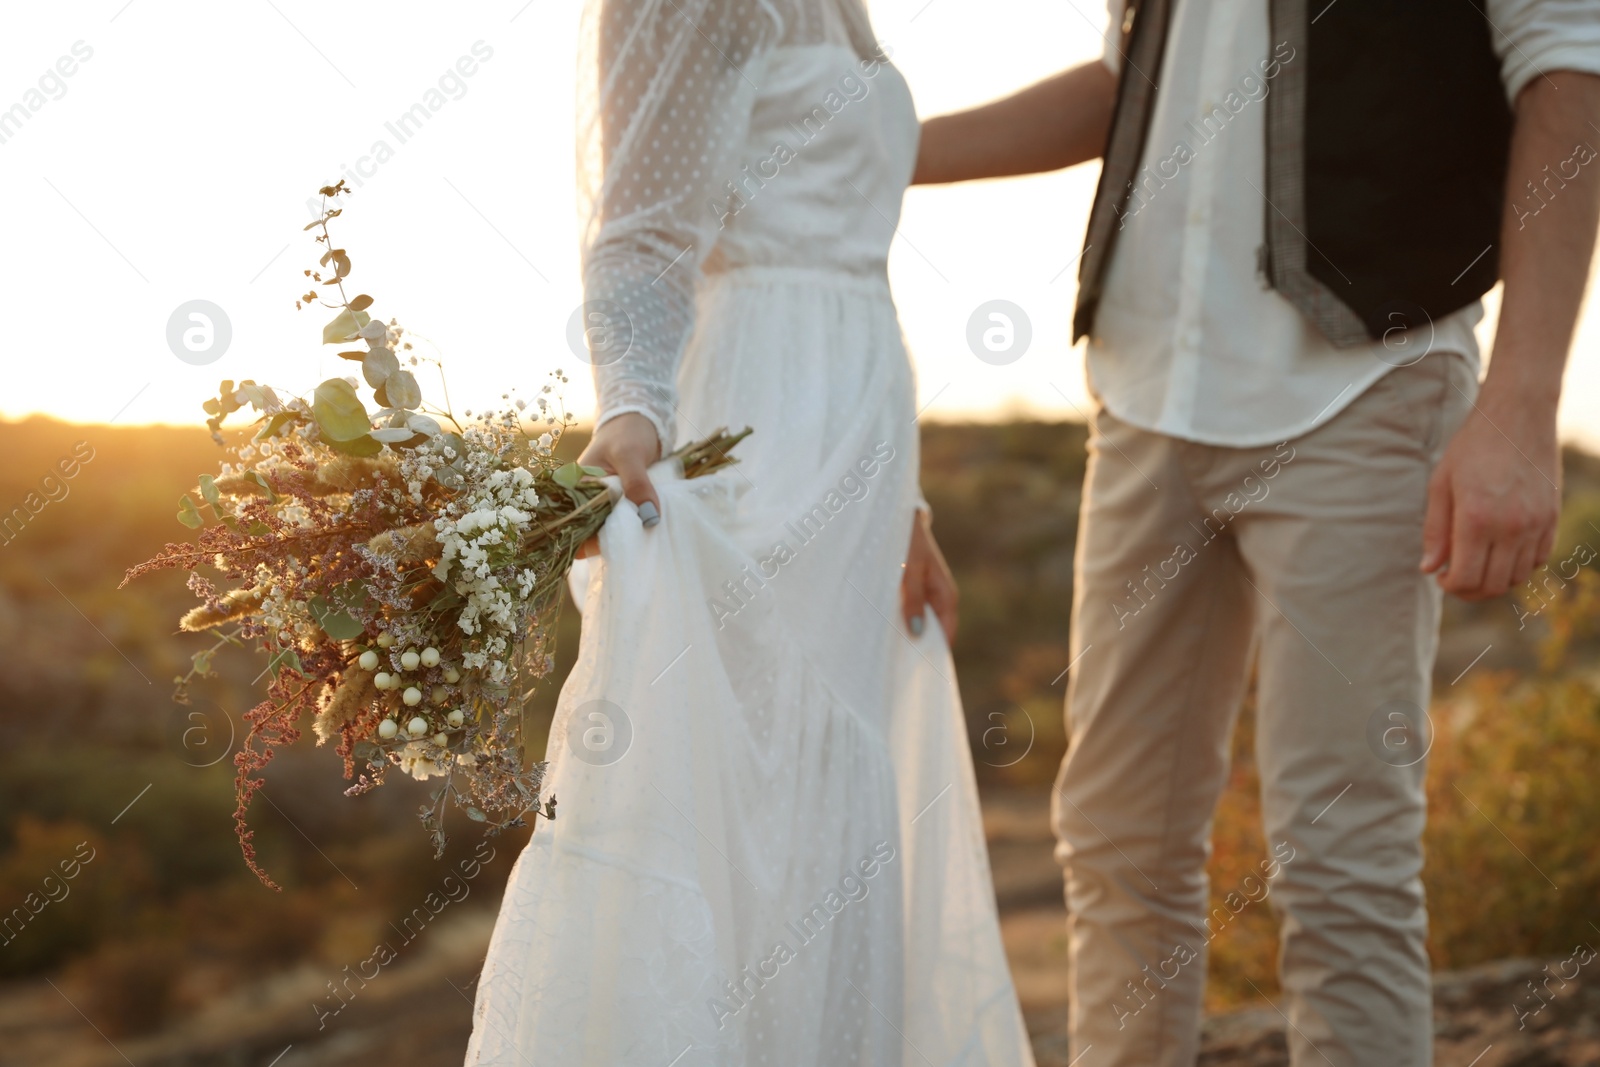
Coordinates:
[175,162]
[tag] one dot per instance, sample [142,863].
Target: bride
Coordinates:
[769,849]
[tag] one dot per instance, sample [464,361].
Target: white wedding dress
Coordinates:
[768,848]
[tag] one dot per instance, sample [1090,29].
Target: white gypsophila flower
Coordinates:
[478,534]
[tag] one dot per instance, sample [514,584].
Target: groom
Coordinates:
[1299,207]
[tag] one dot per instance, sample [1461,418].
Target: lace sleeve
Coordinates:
[665,95]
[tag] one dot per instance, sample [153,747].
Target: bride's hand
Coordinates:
[927,581]
[626,446]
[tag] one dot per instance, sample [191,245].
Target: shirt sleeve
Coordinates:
[1535,37]
[676,84]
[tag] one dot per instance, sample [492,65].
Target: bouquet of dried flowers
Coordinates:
[399,568]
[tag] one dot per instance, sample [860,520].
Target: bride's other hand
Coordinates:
[927,581]
[626,446]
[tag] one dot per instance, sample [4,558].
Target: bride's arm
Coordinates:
[667,91]
[1060,122]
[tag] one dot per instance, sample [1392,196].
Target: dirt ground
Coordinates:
[419,1014]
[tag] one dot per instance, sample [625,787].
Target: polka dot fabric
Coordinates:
[666,93]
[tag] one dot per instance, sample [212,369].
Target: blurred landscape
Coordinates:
[131,932]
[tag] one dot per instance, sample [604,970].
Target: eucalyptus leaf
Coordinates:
[353,595]
[208,489]
[188,514]
[402,390]
[339,412]
[598,472]
[449,477]
[286,657]
[361,303]
[390,435]
[365,445]
[378,365]
[276,423]
[424,424]
[475,815]
[261,480]
[336,624]
[568,475]
[345,327]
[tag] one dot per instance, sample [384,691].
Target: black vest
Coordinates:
[1387,136]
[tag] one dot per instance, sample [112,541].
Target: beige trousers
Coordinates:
[1191,560]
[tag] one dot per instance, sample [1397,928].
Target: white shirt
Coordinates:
[1188,340]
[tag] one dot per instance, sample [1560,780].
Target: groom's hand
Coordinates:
[1493,502]
[626,446]
[1495,497]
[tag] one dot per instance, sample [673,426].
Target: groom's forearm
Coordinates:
[1546,241]
[1494,500]
[1060,122]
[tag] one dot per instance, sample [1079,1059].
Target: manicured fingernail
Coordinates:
[648,514]
[917,625]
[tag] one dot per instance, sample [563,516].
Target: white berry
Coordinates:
[456,717]
[430,657]
[441,738]
[382,679]
[412,696]
[452,675]
[385,640]
[409,659]
[417,727]
[368,660]
[387,729]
